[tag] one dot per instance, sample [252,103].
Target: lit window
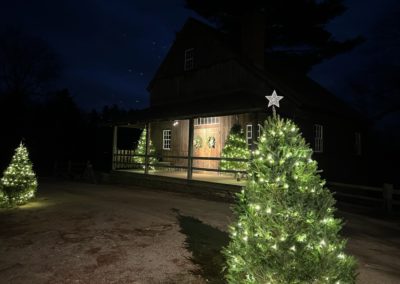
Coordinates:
[189,59]
[318,138]
[167,139]
[206,120]
[358,143]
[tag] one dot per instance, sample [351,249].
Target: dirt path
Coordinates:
[80,233]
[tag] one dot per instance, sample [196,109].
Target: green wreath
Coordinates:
[211,142]
[197,142]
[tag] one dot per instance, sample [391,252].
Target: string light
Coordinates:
[236,147]
[341,256]
[19,181]
[140,151]
[301,238]
[293,225]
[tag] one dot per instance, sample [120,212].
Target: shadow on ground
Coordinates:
[205,243]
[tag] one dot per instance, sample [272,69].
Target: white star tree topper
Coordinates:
[273,100]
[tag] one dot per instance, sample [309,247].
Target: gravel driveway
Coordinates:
[82,233]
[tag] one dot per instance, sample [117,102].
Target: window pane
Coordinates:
[167,139]
[206,120]
[249,133]
[189,59]
[318,138]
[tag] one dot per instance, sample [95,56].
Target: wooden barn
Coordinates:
[208,82]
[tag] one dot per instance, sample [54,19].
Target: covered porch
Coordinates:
[187,161]
[190,166]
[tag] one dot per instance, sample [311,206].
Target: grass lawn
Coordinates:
[82,233]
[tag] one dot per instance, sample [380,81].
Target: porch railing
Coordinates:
[125,159]
[385,197]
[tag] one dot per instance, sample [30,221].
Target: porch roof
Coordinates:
[232,103]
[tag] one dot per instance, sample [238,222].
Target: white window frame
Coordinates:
[166,139]
[249,132]
[206,120]
[357,143]
[318,138]
[189,59]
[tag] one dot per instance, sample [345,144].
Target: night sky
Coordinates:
[111,49]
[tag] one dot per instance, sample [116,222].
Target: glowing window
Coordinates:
[206,120]
[167,139]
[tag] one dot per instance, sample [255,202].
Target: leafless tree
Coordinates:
[26,64]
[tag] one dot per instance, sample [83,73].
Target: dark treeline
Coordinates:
[50,123]
[56,130]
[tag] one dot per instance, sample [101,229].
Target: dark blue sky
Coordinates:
[111,49]
[379,23]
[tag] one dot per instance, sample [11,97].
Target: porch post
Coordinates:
[146,158]
[114,148]
[190,149]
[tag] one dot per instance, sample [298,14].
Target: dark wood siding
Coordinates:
[214,80]
[219,70]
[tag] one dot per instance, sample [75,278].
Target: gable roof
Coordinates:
[301,90]
[190,28]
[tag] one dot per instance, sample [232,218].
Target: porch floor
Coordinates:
[201,176]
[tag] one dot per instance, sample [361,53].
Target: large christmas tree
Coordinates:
[286,231]
[235,147]
[141,150]
[19,181]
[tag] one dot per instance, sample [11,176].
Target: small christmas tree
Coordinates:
[141,150]
[286,231]
[19,181]
[235,147]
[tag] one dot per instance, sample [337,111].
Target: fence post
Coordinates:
[114,148]
[89,172]
[190,149]
[387,196]
[147,150]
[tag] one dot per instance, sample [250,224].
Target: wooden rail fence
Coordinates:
[385,197]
